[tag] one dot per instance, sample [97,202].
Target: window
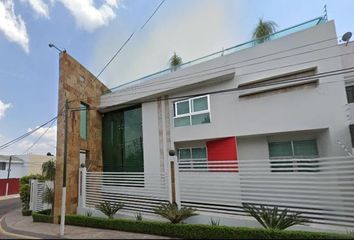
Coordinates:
[2,166]
[350,93]
[192,111]
[290,150]
[196,157]
[83,120]
[122,141]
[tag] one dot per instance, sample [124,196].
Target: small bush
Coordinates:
[214,222]
[109,208]
[88,213]
[171,212]
[26,212]
[139,216]
[272,218]
[42,216]
[25,196]
[25,189]
[195,231]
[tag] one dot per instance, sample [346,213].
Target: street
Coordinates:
[8,206]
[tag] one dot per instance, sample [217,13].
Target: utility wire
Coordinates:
[240,89]
[37,140]
[3,146]
[103,69]
[314,77]
[119,50]
[172,79]
[187,77]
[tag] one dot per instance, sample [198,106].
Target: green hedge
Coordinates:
[42,216]
[195,231]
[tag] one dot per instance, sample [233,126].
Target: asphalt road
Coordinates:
[8,206]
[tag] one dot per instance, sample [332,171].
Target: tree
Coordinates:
[175,62]
[263,30]
[48,169]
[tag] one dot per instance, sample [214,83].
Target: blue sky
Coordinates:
[92,30]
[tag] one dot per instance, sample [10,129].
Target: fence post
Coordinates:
[33,195]
[174,193]
[82,187]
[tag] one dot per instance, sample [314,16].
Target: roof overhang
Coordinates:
[165,85]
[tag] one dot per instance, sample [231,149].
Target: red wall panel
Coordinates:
[224,149]
[14,186]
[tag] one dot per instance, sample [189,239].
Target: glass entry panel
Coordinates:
[122,141]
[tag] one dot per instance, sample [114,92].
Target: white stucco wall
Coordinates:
[322,108]
[17,170]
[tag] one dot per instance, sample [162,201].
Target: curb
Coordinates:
[9,197]
[23,234]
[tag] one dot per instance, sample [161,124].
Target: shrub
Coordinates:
[214,222]
[171,212]
[88,213]
[26,212]
[272,218]
[25,196]
[139,216]
[25,190]
[109,208]
[195,231]
[26,179]
[42,216]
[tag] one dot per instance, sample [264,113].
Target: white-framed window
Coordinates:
[192,111]
[193,157]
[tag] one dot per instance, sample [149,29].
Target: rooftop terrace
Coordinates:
[249,44]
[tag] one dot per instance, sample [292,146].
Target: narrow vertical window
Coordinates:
[83,120]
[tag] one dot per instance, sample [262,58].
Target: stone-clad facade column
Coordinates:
[76,84]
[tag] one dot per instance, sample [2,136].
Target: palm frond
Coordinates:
[263,30]
[175,215]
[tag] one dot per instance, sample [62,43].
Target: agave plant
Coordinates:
[214,222]
[175,62]
[263,30]
[139,216]
[109,208]
[175,215]
[272,218]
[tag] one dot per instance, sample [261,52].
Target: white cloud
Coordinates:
[12,25]
[51,133]
[39,6]
[3,108]
[192,31]
[87,16]
[46,144]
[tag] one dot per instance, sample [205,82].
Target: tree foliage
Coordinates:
[263,30]
[175,62]
[48,170]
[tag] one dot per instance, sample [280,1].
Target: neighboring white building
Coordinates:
[17,167]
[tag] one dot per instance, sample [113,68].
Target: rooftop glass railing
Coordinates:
[276,35]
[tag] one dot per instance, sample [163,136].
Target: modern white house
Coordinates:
[261,123]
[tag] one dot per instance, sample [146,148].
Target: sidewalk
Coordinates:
[9,196]
[15,223]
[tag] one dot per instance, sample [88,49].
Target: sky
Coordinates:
[92,30]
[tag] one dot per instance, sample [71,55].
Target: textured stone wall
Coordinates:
[76,84]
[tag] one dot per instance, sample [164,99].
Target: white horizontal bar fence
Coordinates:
[321,188]
[139,192]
